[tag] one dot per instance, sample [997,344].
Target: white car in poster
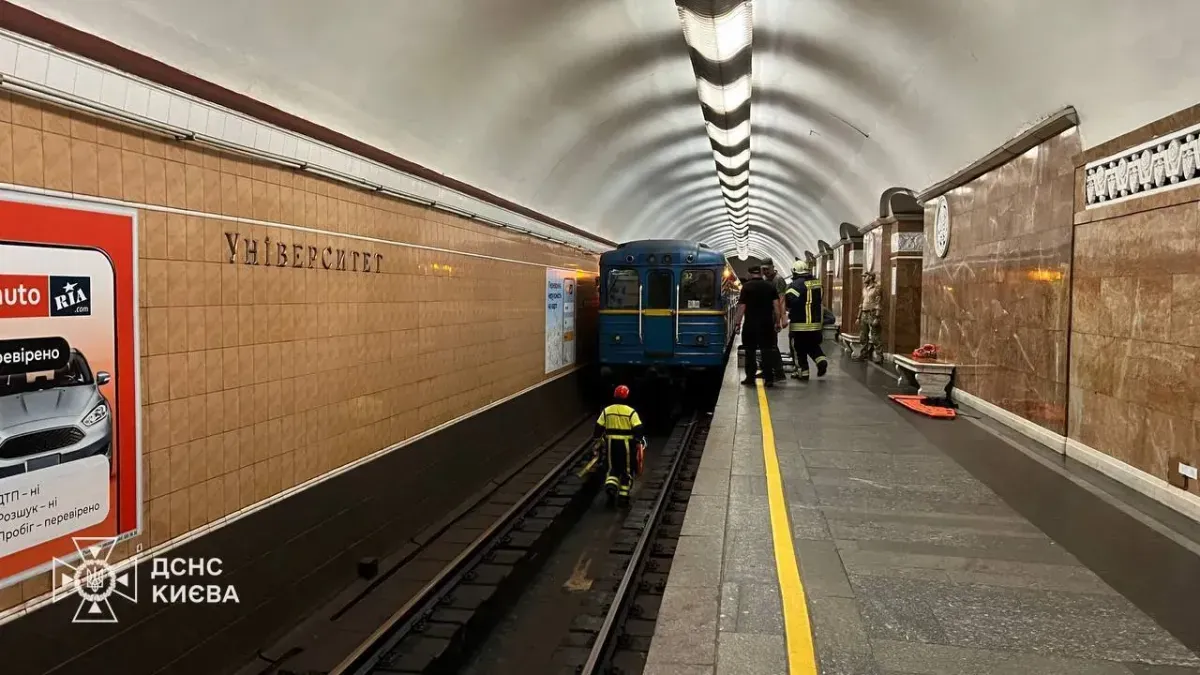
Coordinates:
[54,417]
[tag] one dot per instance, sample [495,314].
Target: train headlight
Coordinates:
[651,259]
[616,339]
[700,339]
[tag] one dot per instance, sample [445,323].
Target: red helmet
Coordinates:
[621,393]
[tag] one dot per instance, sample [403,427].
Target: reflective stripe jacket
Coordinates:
[804,303]
[619,422]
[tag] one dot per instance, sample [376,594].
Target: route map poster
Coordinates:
[560,319]
[69,398]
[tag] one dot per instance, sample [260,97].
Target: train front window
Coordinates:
[659,289]
[698,289]
[621,291]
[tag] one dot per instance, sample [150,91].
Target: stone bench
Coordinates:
[852,343]
[930,376]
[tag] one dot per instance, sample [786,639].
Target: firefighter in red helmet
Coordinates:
[620,430]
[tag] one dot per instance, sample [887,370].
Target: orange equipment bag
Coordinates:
[917,404]
[641,458]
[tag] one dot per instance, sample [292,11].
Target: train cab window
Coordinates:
[659,289]
[621,291]
[698,289]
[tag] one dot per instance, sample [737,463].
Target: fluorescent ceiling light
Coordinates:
[724,98]
[735,194]
[737,161]
[733,180]
[718,38]
[729,137]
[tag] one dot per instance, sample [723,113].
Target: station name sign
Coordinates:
[282,254]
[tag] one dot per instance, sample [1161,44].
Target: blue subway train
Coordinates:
[666,311]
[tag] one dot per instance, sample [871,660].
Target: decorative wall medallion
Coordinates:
[1162,164]
[941,228]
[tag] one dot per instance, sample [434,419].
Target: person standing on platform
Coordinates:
[803,298]
[868,320]
[772,358]
[620,429]
[758,313]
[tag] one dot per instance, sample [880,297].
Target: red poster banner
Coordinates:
[69,398]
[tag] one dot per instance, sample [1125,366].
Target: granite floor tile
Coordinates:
[749,560]
[759,609]
[914,658]
[697,561]
[1070,625]
[808,522]
[751,654]
[711,482]
[705,516]
[748,485]
[677,669]
[821,569]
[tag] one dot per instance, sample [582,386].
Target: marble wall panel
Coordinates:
[998,304]
[1135,337]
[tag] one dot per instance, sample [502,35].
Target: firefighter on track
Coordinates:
[620,430]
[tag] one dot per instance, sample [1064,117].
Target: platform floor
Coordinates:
[923,546]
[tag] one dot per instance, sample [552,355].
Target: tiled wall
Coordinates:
[997,304]
[1135,340]
[254,378]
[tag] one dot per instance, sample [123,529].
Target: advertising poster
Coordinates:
[568,321]
[69,409]
[560,319]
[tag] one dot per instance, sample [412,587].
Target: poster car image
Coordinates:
[69,461]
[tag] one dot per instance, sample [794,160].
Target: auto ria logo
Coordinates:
[24,296]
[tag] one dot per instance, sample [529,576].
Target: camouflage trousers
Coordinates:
[869,332]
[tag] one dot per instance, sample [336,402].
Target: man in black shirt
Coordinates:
[758,304]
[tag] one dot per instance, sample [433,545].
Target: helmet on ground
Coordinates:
[800,267]
[621,392]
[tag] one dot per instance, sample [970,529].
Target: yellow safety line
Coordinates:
[802,660]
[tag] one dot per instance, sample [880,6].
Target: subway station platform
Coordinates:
[832,531]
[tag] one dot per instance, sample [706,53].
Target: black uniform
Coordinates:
[803,298]
[758,323]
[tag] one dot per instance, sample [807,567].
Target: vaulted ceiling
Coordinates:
[590,110]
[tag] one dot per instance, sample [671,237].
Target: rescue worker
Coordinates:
[620,430]
[757,304]
[869,326]
[803,298]
[772,358]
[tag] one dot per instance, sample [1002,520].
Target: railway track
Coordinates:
[440,626]
[614,638]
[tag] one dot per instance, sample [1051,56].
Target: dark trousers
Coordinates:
[773,358]
[806,344]
[758,337]
[621,462]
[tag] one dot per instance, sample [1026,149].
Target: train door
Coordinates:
[658,312]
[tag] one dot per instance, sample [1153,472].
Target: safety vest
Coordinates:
[619,421]
[804,304]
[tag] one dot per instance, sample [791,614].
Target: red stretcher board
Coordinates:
[916,403]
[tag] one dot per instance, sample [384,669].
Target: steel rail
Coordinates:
[371,651]
[637,559]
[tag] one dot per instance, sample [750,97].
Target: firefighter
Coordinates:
[620,430]
[805,320]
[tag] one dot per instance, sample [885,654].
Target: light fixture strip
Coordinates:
[718,39]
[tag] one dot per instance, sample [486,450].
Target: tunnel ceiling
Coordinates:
[590,110]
